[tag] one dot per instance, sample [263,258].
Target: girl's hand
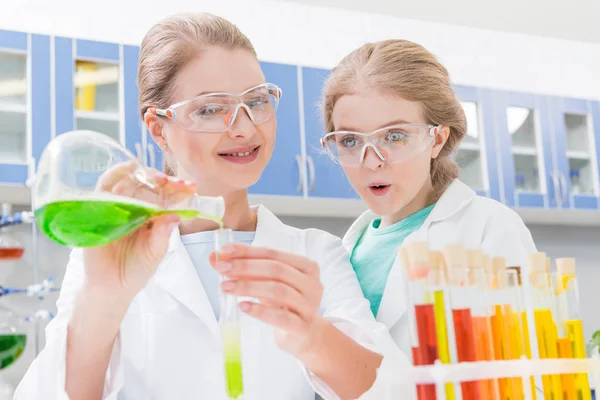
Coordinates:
[288,288]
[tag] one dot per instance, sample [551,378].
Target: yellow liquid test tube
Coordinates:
[545,327]
[524,327]
[568,300]
[439,279]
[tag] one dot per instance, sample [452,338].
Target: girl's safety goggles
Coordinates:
[392,144]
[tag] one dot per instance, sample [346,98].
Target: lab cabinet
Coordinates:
[96,89]
[524,150]
[575,134]
[524,135]
[475,155]
[324,178]
[24,102]
[283,175]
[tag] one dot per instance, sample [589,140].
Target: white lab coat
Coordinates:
[459,217]
[169,346]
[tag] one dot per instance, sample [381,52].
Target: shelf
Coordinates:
[97,115]
[469,146]
[13,108]
[524,151]
[293,206]
[578,155]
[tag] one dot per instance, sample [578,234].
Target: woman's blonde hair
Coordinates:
[408,70]
[169,45]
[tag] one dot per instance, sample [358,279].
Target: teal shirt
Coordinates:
[375,252]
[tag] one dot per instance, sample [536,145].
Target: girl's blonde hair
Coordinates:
[170,45]
[408,70]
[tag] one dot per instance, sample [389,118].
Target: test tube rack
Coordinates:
[395,379]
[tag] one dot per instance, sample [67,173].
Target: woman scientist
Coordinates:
[393,121]
[137,319]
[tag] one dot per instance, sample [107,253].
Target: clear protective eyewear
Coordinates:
[392,144]
[217,112]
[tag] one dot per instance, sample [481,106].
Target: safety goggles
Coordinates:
[392,144]
[217,112]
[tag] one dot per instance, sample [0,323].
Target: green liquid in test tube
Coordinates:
[230,330]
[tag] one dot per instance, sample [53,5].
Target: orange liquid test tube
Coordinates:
[481,311]
[462,297]
[507,332]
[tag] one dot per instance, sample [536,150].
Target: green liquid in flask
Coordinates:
[11,348]
[233,361]
[92,223]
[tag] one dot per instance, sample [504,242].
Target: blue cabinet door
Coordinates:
[15,137]
[524,134]
[576,152]
[64,90]
[133,122]
[476,154]
[282,174]
[325,178]
[41,98]
[99,88]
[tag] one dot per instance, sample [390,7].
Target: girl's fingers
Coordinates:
[277,317]
[265,270]
[276,294]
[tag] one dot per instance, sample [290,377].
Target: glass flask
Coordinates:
[13,339]
[75,196]
[230,327]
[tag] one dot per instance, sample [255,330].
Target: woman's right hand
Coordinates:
[122,268]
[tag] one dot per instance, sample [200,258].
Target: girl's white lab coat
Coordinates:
[460,216]
[169,346]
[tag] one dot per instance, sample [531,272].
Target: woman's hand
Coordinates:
[123,267]
[288,288]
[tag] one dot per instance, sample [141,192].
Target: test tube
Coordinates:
[461,299]
[516,271]
[499,333]
[544,314]
[571,338]
[480,313]
[230,328]
[423,331]
[438,281]
[513,323]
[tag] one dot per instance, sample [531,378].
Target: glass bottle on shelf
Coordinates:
[10,247]
[97,97]
[520,181]
[575,181]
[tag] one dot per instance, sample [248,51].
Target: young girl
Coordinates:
[138,319]
[393,121]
